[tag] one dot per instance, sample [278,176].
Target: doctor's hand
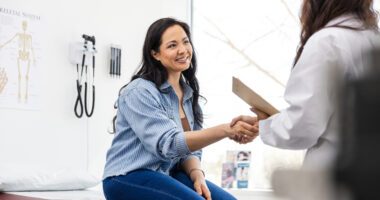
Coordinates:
[244,118]
[260,114]
[243,139]
[200,185]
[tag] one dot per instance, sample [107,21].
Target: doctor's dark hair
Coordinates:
[152,70]
[315,14]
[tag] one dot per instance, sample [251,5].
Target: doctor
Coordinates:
[335,36]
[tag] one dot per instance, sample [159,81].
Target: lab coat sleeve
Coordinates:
[310,97]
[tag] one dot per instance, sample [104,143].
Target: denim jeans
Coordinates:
[150,185]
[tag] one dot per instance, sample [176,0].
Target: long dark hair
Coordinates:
[152,70]
[315,14]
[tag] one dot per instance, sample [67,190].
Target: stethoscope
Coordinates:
[78,108]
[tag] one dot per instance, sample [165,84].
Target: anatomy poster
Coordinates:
[20,59]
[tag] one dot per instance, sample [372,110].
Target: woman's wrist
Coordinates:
[226,130]
[196,172]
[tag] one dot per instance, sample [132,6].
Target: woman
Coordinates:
[156,150]
[335,36]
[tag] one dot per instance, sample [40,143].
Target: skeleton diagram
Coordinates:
[24,49]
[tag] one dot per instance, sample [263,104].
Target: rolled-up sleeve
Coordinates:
[148,119]
[196,154]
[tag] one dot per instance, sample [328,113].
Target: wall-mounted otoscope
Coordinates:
[78,54]
[89,38]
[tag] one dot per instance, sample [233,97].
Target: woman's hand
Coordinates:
[200,185]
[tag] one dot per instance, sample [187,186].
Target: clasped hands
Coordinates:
[246,128]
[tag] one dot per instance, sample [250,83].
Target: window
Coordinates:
[256,42]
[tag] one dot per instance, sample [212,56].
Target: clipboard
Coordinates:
[251,97]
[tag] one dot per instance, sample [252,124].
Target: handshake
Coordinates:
[244,129]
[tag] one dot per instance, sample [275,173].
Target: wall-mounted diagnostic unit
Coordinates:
[115,61]
[82,54]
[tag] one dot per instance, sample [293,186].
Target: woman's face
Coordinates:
[175,51]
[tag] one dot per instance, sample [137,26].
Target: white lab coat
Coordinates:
[310,121]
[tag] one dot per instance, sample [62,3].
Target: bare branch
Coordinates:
[228,42]
[289,11]
[261,69]
[215,37]
[277,28]
[259,38]
[217,28]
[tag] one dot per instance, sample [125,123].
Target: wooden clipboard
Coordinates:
[251,97]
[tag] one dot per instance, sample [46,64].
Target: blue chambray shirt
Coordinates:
[149,133]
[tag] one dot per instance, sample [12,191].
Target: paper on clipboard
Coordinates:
[251,97]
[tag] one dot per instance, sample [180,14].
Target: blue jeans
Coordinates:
[150,185]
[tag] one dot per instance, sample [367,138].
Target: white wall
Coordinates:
[52,134]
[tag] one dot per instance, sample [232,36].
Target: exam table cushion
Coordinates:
[37,178]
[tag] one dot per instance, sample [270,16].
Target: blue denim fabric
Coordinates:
[150,185]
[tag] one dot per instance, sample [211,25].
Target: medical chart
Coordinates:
[20,58]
